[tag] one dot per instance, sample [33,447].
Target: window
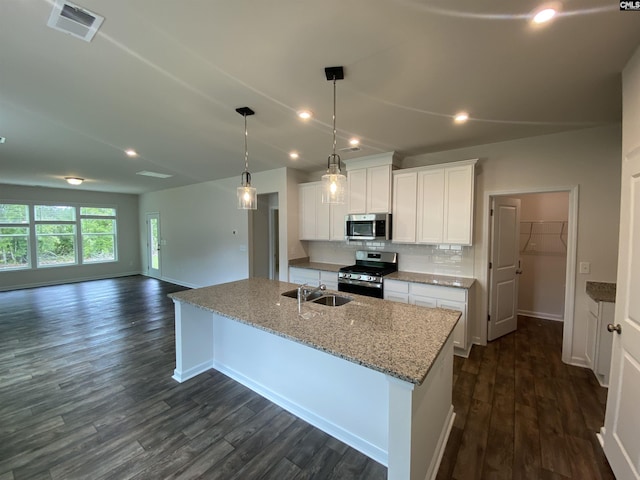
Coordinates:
[56,242]
[14,236]
[98,228]
[59,234]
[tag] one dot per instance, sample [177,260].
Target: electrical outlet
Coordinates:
[585,267]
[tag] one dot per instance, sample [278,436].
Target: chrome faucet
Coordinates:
[303,293]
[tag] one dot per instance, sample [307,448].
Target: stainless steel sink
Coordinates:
[332,300]
[294,294]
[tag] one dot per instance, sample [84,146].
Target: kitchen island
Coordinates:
[374,374]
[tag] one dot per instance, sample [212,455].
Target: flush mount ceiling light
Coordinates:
[74,180]
[247,197]
[461,117]
[544,14]
[334,183]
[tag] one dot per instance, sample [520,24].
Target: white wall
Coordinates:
[128,251]
[542,283]
[205,237]
[587,158]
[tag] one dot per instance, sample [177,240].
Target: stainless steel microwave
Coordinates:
[371,226]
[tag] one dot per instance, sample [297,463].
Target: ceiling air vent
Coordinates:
[349,149]
[74,20]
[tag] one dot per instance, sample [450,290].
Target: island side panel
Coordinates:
[194,341]
[420,420]
[346,400]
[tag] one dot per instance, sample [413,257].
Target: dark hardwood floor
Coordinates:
[86,392]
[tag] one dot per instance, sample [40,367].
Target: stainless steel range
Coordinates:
[366,276]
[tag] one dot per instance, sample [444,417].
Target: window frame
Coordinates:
[23,224]
[33,254]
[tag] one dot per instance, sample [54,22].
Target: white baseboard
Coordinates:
[192,372]
[176,282]
[64,281]
[542,315]
[442,445]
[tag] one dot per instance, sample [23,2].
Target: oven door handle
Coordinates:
[362,283]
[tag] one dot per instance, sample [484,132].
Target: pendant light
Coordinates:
[334,183]
[247,198]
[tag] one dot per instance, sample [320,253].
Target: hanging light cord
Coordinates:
[246,151]
[332,158]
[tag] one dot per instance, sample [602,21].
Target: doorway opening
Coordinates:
[544,264]
[153,245]
[264,258]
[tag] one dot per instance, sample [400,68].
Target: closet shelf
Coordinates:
[543,238]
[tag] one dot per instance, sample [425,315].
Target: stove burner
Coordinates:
[366,276]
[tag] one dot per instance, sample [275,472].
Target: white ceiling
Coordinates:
[165,77]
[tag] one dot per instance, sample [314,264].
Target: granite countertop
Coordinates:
[305,263]
[397,339]
[602,291]
[429,278]
[432,279]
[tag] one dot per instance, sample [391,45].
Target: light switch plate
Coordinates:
[585,267]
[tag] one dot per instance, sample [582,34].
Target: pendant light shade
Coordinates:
[247,195]
[334,183]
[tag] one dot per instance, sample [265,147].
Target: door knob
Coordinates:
[518,272]
[614,328]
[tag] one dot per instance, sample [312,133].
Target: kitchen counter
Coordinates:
[601,291]
[325,267]
[376,375]
[427,278]
[432,279]
[396,339]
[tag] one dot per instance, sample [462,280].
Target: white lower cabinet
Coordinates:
[396,291]
[313,277]
[304,275]
[330,279]
[434,296]
[599,340]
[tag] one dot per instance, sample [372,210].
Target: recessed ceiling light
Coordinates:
[130,152]
[305,114]
[74,180]
[354,142]
[294,155]
[544,15]
[461,117]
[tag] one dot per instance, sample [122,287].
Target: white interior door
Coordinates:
[503,272]
[153,245]
[621,431]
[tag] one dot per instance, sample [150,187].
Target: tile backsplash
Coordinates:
[437,259]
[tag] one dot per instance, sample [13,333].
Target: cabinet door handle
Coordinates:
[614,328]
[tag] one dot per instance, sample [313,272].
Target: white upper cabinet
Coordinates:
[315,216]
[404,207]
[369,184]
[434,205]
[458,204]
[370,189]
[319,221]
[338,212]
[357,191]
[430,220]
